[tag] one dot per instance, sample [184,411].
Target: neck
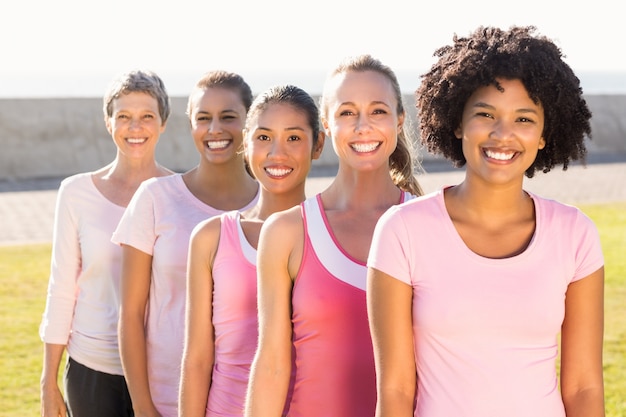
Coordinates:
[486,198]
[270,203]
[132,171]
[220,176]
[361,190]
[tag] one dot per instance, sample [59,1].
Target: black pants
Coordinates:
[90,393]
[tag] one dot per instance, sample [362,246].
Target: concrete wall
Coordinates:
[46,138]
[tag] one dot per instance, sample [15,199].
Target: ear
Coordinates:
[107,123]
[244,142]
[458,132]
[400,121]
[319,146]
[542,143]
[325,127]
[162,129]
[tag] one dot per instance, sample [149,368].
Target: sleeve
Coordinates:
[390,246]
[137,225]
[65,269]
[588,250]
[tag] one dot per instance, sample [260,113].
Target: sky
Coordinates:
[75,47]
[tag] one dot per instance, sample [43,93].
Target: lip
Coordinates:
[365,147]
[217,144]
[501,156]
[277,171]
[135,140]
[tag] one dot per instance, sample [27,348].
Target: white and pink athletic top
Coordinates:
[334,360]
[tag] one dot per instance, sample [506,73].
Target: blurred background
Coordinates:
[58,58]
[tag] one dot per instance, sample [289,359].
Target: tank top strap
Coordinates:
[327,248]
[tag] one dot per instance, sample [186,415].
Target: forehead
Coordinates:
[275,109]
[216,99]
[277,116]
[360,87]
[134,99]
[511,92]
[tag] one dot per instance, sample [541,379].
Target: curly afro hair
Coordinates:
[477,61]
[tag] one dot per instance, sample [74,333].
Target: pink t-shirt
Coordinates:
[334,361]
[83,293]
[485,330]
[234,318]
[159,221]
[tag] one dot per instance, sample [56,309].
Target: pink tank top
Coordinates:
[234,318]
[334,361]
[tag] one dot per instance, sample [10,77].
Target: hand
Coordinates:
[52,403]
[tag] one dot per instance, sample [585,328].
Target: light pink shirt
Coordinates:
[485,330]
[159,221]
[83,291]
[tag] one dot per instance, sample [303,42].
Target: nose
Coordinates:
[503,130]
[134,123]
[363,123]
[277,149]
[215,126]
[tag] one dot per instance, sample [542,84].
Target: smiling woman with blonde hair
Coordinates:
[311,258]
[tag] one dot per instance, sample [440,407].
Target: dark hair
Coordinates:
[294,96]
[478,60]
[402,164]
[224,79]
[137,81]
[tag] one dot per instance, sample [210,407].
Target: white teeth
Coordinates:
[136,140]
[501,156]
[278,172]
[365,147]
[218,144]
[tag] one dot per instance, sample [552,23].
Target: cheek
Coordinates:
[253,151]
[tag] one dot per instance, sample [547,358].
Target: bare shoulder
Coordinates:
[207,231]
[281,245]
[286,223]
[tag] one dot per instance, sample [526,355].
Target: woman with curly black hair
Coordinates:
[470,287]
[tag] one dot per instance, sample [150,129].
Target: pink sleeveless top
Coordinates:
[234,318]
[334,360]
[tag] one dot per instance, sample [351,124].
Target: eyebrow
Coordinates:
[375,102]
[483,105]
[298,128]
[221,112]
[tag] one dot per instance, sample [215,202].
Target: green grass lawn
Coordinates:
[24,278]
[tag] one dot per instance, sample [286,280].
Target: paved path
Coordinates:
[27,207]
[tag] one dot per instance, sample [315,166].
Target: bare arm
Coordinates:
[198,354]
[271,368]
[389,306]
[582,385]
[135,288]
[52,404]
